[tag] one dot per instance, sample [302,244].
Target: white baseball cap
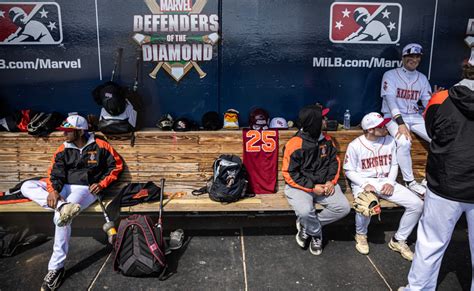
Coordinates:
[412,49]
[74,122]
[373,120]
[278,122]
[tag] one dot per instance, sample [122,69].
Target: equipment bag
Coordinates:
[139,245]
[228,183]
[133,194]
[43,123]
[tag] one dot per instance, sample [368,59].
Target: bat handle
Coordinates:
[155,70]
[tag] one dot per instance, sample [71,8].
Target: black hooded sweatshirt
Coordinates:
[450,124]
[309,159]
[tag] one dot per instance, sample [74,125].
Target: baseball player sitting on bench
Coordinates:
[371,165]
[311,170]
[81,167]
[401,90]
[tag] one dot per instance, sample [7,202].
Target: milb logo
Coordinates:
[30,23]
[363,22]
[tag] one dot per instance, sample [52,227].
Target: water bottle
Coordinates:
[347,119]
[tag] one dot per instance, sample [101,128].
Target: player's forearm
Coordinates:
[356,178]
[392,105]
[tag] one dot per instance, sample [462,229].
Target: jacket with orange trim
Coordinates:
[449,120]
[96,162]
[307,162]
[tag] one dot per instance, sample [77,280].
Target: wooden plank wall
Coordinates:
[183,158]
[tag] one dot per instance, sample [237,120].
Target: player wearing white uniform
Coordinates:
[371,165]
[401,90]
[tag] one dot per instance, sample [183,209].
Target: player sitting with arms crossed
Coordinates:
[311,170]
[80,169]
[371,165]
[401,90]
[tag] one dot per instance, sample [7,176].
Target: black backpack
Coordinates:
[139,245]
[228,183]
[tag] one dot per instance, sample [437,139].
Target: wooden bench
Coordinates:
[183,158]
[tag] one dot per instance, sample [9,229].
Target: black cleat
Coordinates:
[301,236]
[53,280]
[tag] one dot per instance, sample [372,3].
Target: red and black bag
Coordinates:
[139,245]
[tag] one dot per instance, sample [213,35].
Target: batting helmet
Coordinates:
[16,12]
[359,13]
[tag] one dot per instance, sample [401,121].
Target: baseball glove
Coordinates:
[367,204]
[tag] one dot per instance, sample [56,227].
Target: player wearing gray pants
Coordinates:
[335,206]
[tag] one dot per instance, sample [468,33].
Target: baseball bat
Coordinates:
[109,226]
[155,70]
[201,73]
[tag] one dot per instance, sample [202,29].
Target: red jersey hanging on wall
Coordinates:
[261,159]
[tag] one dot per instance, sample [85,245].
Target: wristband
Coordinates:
[399,120]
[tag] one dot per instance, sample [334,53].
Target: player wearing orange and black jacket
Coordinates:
[96,162]
[311,170]
[450,166]
[308,161]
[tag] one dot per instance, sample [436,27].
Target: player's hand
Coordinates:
[329,186]
[95,188]
[437,89]
[370,188]
[403,131]
[319,189]
[387,189]
[52,199]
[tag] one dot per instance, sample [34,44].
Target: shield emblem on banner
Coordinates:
[176,69]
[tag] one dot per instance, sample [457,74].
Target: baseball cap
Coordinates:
[412,49]
[74,122]
[373,120]
[278,123]
[258,119]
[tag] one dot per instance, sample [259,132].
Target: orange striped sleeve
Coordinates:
[113,175]
[49,185]
[293,145]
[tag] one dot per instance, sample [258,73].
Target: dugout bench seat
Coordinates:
[184,158]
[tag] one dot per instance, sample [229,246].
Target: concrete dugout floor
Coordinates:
[247,258]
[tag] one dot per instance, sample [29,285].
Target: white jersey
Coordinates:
[406,87]
[368,161]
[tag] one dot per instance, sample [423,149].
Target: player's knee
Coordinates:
[416,206]
[304,212]
[343,209]
[27,188]
[403,144]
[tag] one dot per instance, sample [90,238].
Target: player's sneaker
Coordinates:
[301,236]
[52,280]
[401,247]
[316,245]
[362,246]
[416,188]
[67,212]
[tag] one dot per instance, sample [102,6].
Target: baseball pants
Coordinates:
[416,124]
[36,191]
[335,206]
[435,229]
[402,196]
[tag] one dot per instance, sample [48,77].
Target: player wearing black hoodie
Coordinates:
[311,170]
[450,174]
